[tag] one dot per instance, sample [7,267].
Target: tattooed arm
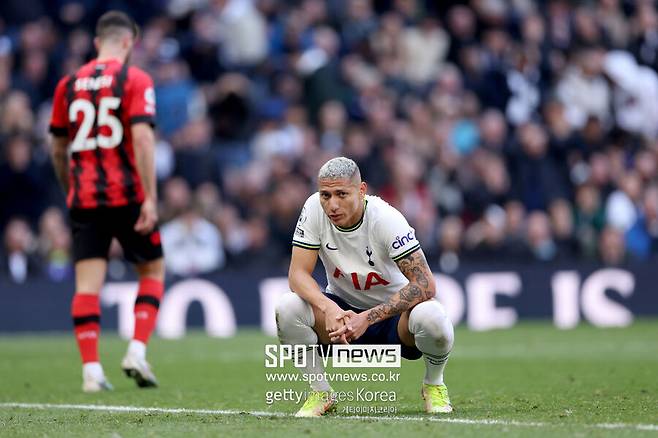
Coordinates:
[60,156]
[420,288]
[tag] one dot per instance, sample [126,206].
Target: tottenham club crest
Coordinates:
[369,254]
[302,217]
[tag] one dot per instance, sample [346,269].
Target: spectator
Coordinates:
[22,182]
[193,155]
[333,119]
[450,244]
[285,203]
[485,239]
[19,262]
[524,82]
[583,90]
[242,32]
[231,112]
[423,49]
[612,249]
[246,240]
[562,227]
[492,186]
[589,219]
[55,245]
[613,22]
[275,136]
[408,193]
[33,78]
[541,245]
[16,117]
[645,43]
[319,67]
[493,131]
[178,100]
[641,237]
[463,28]
[622,206]
[176,197]
[515,243]
[537,181]
[193,245]
[635,94]
[359,24]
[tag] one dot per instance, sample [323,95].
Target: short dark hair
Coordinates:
[111,21]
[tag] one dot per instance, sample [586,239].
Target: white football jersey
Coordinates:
[360,260]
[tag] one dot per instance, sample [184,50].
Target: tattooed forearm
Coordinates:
[409,296]
[61,165]
[419,289]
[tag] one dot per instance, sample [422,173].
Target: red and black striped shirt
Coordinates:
[95,108]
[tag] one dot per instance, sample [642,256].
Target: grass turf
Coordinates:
[533,379]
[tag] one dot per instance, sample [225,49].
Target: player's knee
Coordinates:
[292,309]
[429,319]
[152,269]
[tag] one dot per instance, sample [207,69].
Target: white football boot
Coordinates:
[139,369]
[93,378]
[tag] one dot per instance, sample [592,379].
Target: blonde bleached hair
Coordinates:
[340,168]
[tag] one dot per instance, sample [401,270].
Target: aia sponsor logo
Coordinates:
[372,279]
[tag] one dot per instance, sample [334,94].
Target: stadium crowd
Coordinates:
[503,130]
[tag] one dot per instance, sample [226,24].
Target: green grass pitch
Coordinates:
[532,380]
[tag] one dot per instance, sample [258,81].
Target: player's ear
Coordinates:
[97,44]
[127,42]
[363,188]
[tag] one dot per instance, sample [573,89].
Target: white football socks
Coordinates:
[434,337]
[137,349]
[93,371]
[295,321]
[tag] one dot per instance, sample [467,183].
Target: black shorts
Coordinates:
[94,228]
[382,332]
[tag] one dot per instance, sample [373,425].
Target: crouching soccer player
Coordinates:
[380,289]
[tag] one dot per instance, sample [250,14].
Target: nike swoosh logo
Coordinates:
[328,247]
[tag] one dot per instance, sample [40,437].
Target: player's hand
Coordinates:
[334,320]
[148,217]
[355,326]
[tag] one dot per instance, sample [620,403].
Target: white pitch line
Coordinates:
[485,422]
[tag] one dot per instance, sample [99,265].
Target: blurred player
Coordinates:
[380,288]
[103,153]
